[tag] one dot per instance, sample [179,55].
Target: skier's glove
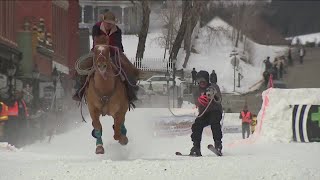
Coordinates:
[203,100]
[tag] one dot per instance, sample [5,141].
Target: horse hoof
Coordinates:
[99,149]
[124,140]
[116,137]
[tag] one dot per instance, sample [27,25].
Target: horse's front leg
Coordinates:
[97,131]
[120,130]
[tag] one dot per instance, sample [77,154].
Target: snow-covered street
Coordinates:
[71,156]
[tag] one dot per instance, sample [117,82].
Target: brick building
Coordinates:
[9,52]
[47,33]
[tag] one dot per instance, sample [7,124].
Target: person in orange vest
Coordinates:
[3,119]
[17,123]
[246,118]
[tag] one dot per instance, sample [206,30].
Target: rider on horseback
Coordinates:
[109,28]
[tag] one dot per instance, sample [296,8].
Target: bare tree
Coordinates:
[187,7]
[143,30]
[171,18]
[193,19]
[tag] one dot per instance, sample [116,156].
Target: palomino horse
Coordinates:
[106,94]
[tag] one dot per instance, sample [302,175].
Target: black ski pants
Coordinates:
[211,118]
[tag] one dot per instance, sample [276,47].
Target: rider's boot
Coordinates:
[77,96]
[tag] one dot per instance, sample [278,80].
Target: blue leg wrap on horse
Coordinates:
[123,130]
[99,141]
[97,134]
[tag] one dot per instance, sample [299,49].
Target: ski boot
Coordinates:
[218,147]
[195,151]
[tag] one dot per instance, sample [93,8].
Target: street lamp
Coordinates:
[11,72]
[54,76]
[35,87]
[234,62]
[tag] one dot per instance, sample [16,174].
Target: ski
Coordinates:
[214,150]
[210,147]
[180,154]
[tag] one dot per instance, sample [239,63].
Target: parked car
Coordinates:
[279,84]
[159,83]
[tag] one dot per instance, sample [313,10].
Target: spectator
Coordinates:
[193,75]
[180,102]
[266,76]
[246,117]
[302,52]
[281,68]
[275,71]
[267,63]
[290,56]
[27,95]
[253,123]
[213,77]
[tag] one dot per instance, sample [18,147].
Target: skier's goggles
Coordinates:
[201,80]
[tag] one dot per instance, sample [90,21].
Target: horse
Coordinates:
[106,94]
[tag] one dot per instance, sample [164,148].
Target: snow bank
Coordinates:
[275,117]
[5,146]
[314,37]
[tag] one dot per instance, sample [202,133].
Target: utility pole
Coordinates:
[234,62]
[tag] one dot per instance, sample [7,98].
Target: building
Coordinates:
[32,27]
[9,52]
[129,13]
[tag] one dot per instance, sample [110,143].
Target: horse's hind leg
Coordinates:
[97,131]
[120,131]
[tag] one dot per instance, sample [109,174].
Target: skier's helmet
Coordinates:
[202,78]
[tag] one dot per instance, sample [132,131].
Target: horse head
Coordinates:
[101,60]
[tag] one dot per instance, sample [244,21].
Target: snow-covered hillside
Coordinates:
[214,48]
[213,54]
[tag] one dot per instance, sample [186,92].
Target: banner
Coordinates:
[306,123]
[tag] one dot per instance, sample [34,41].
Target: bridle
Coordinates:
[100,55]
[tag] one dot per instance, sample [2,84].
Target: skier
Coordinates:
[208,100]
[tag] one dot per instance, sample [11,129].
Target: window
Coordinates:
[7,16]
[163,79]
[155,79]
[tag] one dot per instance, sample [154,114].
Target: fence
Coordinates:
[152,64]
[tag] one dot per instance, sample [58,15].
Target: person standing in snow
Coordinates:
[281,68]
[290,61]
[267,63]
[246,117]
[213,77]
[193,76]
[208,100]
[253,123]
[301,54]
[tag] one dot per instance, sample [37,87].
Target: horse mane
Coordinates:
[102,39]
